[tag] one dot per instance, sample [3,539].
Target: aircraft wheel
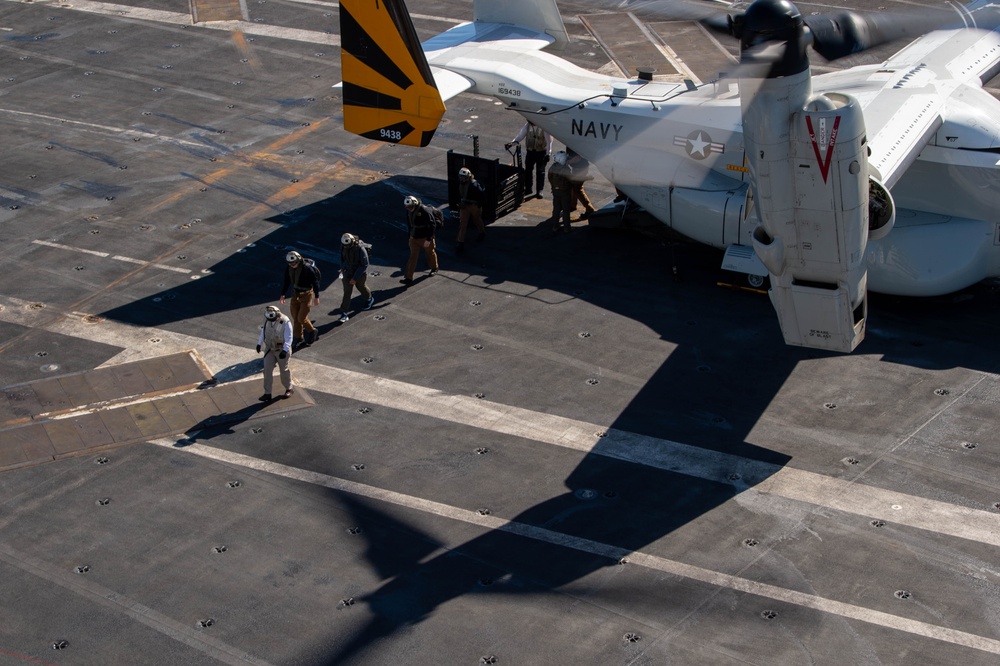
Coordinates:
[757,281]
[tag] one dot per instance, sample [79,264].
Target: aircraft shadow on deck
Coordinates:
[633,507]
[614,262]
[625,505]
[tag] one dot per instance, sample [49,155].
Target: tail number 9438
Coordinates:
[390,134]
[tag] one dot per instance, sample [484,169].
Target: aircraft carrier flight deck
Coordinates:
[580,448]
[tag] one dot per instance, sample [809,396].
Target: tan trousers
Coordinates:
[300,306]
[270,360]
[580,195]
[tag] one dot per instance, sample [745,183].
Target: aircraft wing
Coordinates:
[904,97]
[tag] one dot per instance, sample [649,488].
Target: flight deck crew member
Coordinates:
[276,342]
[580,167]
[470,206]
[422,224]
[305,289]
[353,273]
[562,191]
[538,147]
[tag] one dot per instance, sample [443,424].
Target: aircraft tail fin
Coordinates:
[389,90]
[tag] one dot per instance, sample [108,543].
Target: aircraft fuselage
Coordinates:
[679,153]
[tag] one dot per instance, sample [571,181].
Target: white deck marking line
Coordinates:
[613,553]
[755,478]
[178,18]
[150,263]
[107,128]
[108,598]
[69,247]
[246,27]
[116,257]
[428,17]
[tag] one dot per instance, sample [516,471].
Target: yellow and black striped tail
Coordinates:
[389,91]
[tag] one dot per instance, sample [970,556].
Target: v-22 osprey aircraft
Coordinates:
[882,177]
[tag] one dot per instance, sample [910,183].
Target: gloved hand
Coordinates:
[282,354]
[258,349]
[507,145]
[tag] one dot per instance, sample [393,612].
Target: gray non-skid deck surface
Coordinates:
[553,452]
[123,404]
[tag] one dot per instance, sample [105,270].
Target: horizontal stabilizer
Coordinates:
[450,83]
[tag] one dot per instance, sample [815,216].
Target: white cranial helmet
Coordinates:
[293,257]
[560,157]
[464,173]
[410,201]
[346,239]
[271,312]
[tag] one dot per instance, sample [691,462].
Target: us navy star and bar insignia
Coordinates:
[699,145]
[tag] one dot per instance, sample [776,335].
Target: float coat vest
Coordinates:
[274,333]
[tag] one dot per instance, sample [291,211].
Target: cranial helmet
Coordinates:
[411,201]
[346,239]
[293,257]
[464,173]
[271,312]
[560,157]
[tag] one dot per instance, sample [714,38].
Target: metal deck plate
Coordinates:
[569,449]
[133,402]
[217,10]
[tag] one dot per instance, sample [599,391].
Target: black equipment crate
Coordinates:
[503,183]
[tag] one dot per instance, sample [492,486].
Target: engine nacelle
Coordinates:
[814,225]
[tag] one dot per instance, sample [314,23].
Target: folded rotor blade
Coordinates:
[850,32]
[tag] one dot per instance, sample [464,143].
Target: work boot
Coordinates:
[265,398]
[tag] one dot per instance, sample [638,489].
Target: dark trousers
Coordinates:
[535,159]
[345,305]
[561,206]
[469,213]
